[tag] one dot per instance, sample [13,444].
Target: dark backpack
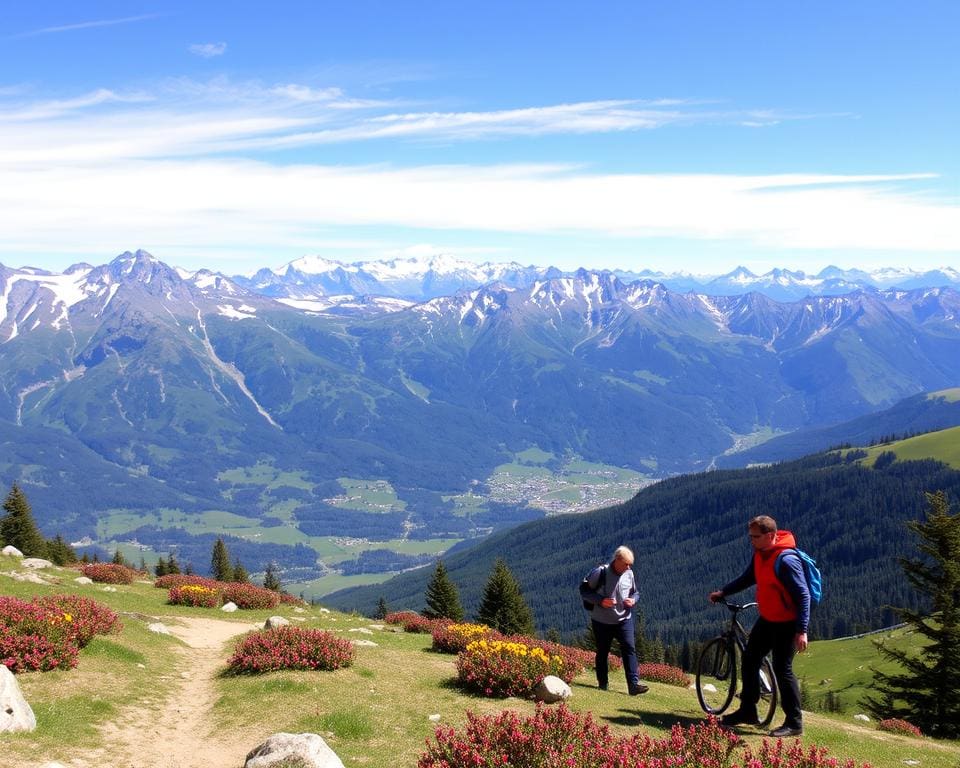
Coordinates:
[810,572]
[586,589]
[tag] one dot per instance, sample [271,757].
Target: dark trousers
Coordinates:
[776,636]
[624,633]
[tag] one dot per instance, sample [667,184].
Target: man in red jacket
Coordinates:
[784,605]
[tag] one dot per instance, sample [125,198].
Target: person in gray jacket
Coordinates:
[613,591]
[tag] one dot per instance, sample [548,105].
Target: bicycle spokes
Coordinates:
[716,676]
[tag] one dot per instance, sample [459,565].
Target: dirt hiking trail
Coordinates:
[178,731]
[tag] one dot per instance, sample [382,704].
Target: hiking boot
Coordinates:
[786,731]
[739,717]
[602,686]
[635,689]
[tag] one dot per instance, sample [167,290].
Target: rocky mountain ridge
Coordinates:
[173,386]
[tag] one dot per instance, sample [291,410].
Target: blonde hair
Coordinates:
[623,553]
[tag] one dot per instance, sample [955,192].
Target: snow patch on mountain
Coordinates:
[243,312]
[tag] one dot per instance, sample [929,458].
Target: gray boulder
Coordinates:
[11,551]
[83,580]
[27,576]
[275,621]
[36,562]
[551,690]
[15,712]
[229,607]
[310,748]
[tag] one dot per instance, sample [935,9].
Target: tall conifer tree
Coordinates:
[443,599]
[270,579]
[239,572]
[220,567]
[927,690]
[59,552]
[17,527]
[502,606]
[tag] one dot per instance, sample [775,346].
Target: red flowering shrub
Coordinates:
[778,754]
[287,599]
[555,737]
[503,668]
[249,596]
[896,725]
[574,660]
[84,617]
[243,595]
[290,648]
[179,579]
[414,622]
[196,595]
[453,638]
[664,673]
[35,637]
[108,573]
[399,617]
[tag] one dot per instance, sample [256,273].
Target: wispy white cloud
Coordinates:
[208,50]
[55,108]
[105,169]
[89,25]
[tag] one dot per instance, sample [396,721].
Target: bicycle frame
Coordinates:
[717,669]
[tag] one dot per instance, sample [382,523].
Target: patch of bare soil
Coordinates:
[178,733]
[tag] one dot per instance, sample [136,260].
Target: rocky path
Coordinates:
[178,733]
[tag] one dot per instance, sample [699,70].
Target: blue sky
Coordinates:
[688,136]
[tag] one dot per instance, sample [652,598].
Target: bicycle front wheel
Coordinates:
[716,675]
[767,706]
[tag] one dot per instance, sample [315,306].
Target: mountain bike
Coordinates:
[717,670]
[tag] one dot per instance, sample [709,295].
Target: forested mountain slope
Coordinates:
[689,535]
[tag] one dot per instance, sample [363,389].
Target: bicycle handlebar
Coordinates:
[734,607]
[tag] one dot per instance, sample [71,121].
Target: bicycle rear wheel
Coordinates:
[716,675]
[767,706]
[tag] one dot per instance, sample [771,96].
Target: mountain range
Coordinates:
[315,283]
[133,386]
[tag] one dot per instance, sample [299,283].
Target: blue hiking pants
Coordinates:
[625,634]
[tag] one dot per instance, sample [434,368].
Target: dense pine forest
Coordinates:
[689,536]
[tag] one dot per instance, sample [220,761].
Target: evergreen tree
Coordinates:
[173,566]
[143,564]
[270,579]
[382,610]
[85,559]
[118,558]
[502,606]
[220,567]
[926,691]
[187,569]
[160,569]
[17,527]
[239,572]
[443,599]
[59,552]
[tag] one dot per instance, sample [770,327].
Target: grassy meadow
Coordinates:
[943,445]
[382,705]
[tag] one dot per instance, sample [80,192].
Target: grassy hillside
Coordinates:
[844,668]
[942,445]
[920,413]
[381,706]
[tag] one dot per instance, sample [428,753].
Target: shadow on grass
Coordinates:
[665,721]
